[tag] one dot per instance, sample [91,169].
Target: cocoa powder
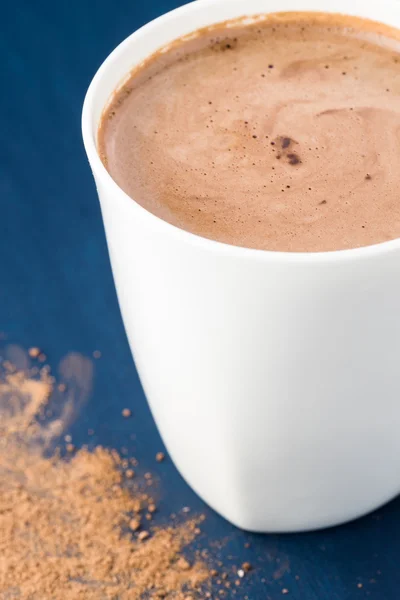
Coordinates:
[72,527]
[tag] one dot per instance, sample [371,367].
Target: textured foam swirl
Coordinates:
[280,135]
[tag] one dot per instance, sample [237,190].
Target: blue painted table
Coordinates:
[56,290]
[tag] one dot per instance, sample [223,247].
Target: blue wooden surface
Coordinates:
[56,290]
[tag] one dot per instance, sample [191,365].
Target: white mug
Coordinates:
[274,378]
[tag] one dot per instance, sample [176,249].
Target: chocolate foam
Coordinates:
[279,135]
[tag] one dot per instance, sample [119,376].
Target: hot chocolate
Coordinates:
[280,134]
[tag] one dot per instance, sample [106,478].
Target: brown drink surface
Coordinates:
[280,135]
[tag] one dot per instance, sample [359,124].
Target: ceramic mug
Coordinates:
[273,377]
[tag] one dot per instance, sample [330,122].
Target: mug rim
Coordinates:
[89,140]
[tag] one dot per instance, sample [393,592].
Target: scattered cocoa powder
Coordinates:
[69,528]
[183,564]
[134,524]
[34,352]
